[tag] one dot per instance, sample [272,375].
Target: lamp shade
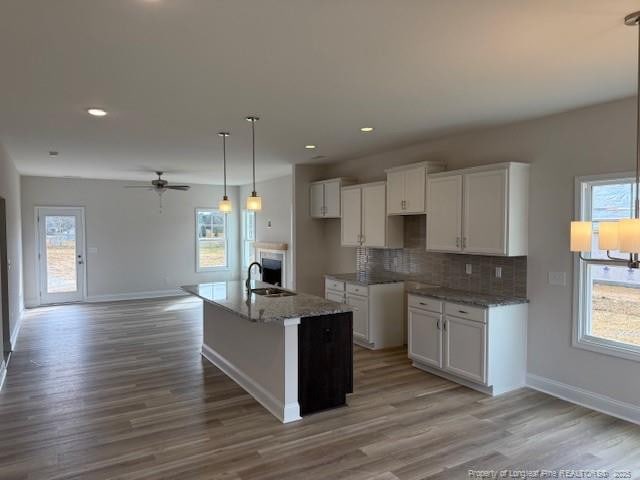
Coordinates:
[609,238]
[224,205]
[630,235]
[581,236]
[254,202]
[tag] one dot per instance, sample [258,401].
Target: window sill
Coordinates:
[608,347]
[213,269]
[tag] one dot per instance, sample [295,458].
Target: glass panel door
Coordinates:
[61,253]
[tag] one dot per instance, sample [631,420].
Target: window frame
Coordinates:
[245,215]
[220,268]
[582,276]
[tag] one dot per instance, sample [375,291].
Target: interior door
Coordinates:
[316,201]
[425,337]
[485,212]
[414,190]
[444,214]
[351,217]
[332,199]
[61,254]
[465,350]
[374,215]
[395,192]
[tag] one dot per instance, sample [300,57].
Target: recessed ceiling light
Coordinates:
[366,129]
[97,112]
[53,153]
[309,147]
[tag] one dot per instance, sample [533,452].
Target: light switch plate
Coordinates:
[468,269]
[558,279]
[93,249]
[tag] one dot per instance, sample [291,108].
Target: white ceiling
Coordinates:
[172,73]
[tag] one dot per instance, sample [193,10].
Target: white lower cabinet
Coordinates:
[425,337]
[378,311]
[360,316]
[483,348]
[465,348]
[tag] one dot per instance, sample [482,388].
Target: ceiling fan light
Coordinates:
[254,202]
[224,205]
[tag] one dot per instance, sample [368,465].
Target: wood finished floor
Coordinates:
[119,390]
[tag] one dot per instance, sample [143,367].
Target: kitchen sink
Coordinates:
[272,292]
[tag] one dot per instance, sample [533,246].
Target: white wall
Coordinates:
[10,191]
[139,249]
[598,139]
[273,222]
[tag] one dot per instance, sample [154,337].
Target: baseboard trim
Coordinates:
[284,412]
[16,331]
[585,398]
[116,297]
[3,373]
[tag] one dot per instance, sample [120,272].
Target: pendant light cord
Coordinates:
[224,163]
[637,203]
[253,141]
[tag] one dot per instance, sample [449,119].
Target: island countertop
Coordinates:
[232,296]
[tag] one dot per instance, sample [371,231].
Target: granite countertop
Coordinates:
[365,279]
[232,296]
[462,296]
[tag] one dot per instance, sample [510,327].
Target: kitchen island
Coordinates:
[291,351]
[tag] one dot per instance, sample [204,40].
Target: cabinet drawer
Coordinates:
[330,284]
[424,303]
[356,289]
[465,311]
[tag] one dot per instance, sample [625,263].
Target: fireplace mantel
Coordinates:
[271,246]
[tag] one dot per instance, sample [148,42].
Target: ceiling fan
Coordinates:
[160,185]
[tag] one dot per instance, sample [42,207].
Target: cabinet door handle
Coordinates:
[444,325]
[462,311]
[438,324]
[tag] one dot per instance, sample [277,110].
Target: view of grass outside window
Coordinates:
[212,240]
[615,290]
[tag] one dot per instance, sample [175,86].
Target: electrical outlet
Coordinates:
[558,279]
[269,223]
[498,272]
[468,269]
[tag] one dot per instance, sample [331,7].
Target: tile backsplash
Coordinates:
[445,269]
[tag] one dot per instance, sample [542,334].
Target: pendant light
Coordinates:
[225,204]
[254,202]
[623,236]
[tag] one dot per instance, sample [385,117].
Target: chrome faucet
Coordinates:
[248,281]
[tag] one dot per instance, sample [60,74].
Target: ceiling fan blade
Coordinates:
[183,188]
[139,186]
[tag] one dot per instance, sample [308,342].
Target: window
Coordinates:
[248,237]
[608,296]
[211,240]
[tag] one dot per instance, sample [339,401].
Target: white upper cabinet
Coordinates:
[324,198]
[316,203]
[485,212]
[444,220]
[364,218]
[481,210]
[351,224]
[406,186]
